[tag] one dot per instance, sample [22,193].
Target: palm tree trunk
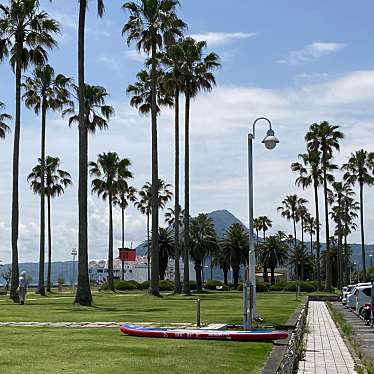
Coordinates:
[211,269]
[235,275]
[272,276]
[41,286]
[199,282]
[15,206]
[225,272]
[302,249]
[123,239]
[294,231]
[256,237]
[327,228]
[155,276]
[362,231]
[346,257]
[148,251]
[83,295]
[110,251]
[178,287]
[318,247]
[49,274]
[186,278]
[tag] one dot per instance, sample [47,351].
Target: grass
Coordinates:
[47,350]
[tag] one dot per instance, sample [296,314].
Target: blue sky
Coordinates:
[295,62]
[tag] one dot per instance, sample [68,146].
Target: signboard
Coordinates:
[127,254]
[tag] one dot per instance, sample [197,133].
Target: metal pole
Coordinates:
[251,255]
[198,313]
[73,272]
[245,306]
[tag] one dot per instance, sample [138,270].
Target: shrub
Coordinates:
[240,287]
[167,285]
[278,286]
[122,285]
[144,285]
[136,284]
[193,286]
[213,284]
[304,286]
[262,287]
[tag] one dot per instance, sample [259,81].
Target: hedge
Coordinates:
[213,284]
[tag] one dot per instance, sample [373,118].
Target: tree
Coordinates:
[357,171]
[235,245]
[173,61]
[263,223]
[43,92]
[325,138]
[273,252]
[26,33]
[125,195]
[108,172]
[203,242]
[144,205]
[311,174]
[152,24]
[56,181]
[4,128]
[310,228]
[296,257]
[266,223]
[166,245]
[171,217]
[257,225]
[221,258]
[96,115]
[197,76]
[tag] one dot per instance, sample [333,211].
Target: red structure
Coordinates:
[127,254]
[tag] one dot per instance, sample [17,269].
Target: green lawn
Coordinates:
[47,350]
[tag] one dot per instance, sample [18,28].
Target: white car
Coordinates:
[363,296]
[351,296]
[345,292]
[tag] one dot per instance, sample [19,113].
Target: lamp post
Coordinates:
[74,252]
[371,259]
[270,142]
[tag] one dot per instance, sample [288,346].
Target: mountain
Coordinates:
[223,219]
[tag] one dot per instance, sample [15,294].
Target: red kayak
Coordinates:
[253,335]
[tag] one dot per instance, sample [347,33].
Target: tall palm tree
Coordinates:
[166,244]
[153,24]
[43,92]
[144,205]
[197,75]
[358,171]
[171,217]
[107,172]
[4,117]
[257,225]
[325,138]
[310,228]
[288,210]
[266,223]
[235,246]
[55,181]
[26,33]
[273,252]
[96,115]
[125,195]
[296,257]
[203,241]
[311,174]
[172,60]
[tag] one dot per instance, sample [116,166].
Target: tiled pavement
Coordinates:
[326,351]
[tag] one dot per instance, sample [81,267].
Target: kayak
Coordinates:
[252,335]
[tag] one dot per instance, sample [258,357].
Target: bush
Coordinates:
[193,286]
[262,287]
[167,285]
[240,287]
[278,286]
[304,287]
[213,284]
[136,284]
[144,285]
[122,285]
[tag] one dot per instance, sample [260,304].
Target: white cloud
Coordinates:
[135,55]
[215,39]
[312,52]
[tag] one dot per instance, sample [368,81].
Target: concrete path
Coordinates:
[326,351]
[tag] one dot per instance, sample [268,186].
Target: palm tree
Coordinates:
[288,210]
[310,228]
[235,245]
[257,225]
[173,61]
[125,195]
[325,138]
[296,257]
[26,33]
[166,244]
[108,171]
[203,241]
[170,217]
[263,223]
[266,223]
[358,169]
[144,205]
[45,91]
[197,76]
[221,258]
[273,252]
[96,115]
[311,174]
[4,128]
[55,182]
[153,24]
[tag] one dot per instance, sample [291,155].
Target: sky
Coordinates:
[295,62]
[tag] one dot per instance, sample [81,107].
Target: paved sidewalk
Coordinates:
[326,351]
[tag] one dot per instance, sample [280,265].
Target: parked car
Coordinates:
[366,313]
[363,296]
[345,292]
[351,296]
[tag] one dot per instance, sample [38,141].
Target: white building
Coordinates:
[133,270]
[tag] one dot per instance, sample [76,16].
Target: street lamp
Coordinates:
[270,142]
[74,252]
[371,260]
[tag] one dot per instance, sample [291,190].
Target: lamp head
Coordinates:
[270,140]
